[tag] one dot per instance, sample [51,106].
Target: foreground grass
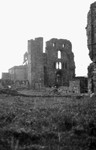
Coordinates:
[47,123]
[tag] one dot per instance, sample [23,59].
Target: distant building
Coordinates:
[55,67]
[6,76]
[18,72]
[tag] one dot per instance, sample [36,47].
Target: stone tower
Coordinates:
[35,63]
[59,68]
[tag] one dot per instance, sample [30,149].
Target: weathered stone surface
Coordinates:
[60,76]
[18,72]
[73,88]
[42,66]
[90,70]
[55,67]
[35,63]
[5,75]
[91,31]
[91,41]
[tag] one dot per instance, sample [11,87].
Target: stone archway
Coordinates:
[58,78]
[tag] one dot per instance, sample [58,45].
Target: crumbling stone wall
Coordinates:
[59,76]
[18,72]
[73,88]
[35,63]
[90,70]
[91,42]
[42,67]
[6,75]
[91,31]
[90,78]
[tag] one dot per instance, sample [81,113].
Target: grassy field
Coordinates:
[55,123]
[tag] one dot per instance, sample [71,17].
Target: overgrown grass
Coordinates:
[47,123]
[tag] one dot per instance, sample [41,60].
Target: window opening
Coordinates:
[59,54]
[63,45]
[57,65]
[53,44]
[60,65]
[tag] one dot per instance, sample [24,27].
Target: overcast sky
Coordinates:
[21,20]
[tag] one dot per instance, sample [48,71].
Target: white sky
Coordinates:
[21,20]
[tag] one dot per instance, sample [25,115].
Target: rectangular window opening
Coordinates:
[59,54]
[57,65]
[60,65]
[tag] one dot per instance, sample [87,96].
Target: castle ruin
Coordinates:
[52,67]
[91,43]
[55,67]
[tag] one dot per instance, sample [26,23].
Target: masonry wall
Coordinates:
[67,61]
[73,88]
[5,76]
[35,63]
[91,31]
[18,72]
[91,42]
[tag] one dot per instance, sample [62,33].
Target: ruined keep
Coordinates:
[91,43]
[35,63]
[55,67]
[60,66]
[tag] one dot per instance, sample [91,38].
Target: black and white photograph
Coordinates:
[47,75]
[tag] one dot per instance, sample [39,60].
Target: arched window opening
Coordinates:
[59,54]
[60,65]
[53,44]
[57,65]
[63,45]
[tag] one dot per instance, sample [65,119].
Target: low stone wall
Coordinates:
[74,88]
[14,84]
[21,84]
